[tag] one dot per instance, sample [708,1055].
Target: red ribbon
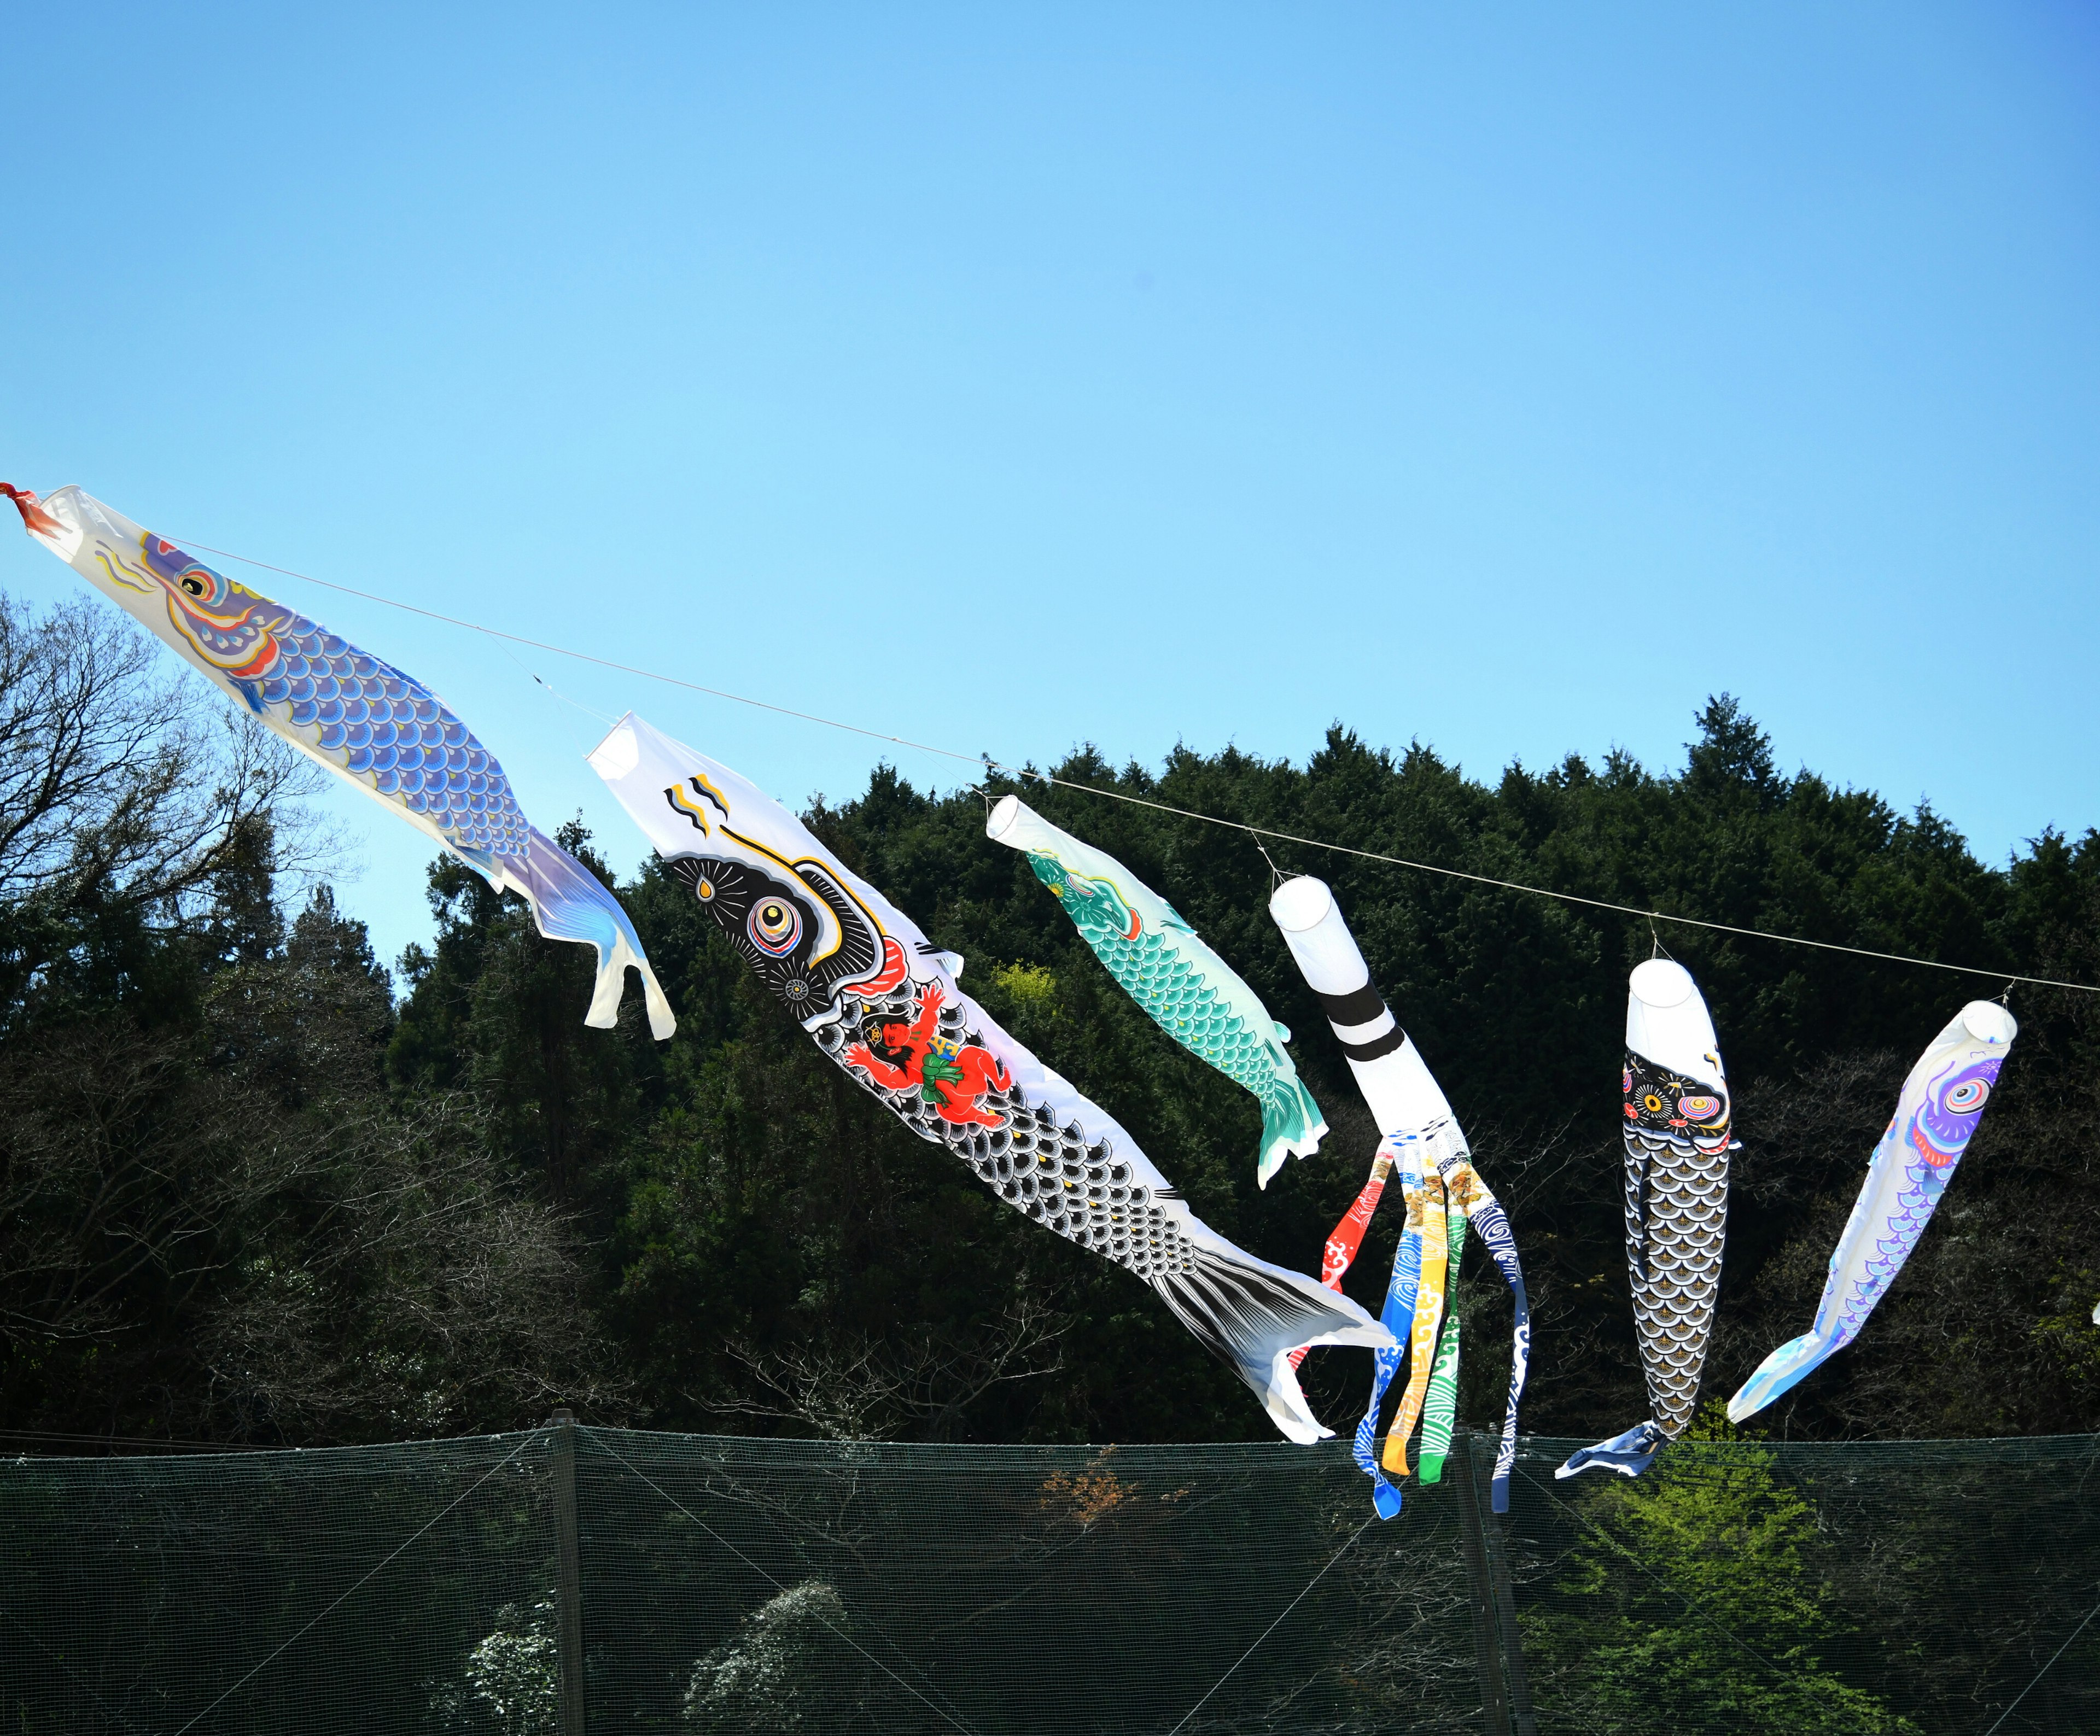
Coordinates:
[35,518]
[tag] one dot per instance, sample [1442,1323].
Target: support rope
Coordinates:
[1256,832]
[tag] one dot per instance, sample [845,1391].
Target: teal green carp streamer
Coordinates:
[1164,966]
[1439,1409]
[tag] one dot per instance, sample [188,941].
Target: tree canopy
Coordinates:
[255,1187]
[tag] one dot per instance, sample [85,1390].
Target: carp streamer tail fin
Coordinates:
[1629,1454]
[570,903]
[1291,1125]
[1788,1366]
[1251,1316]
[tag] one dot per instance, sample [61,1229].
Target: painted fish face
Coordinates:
[233,629]
[1663,1101]
[1093,903]
[1953,1105]
[778,924]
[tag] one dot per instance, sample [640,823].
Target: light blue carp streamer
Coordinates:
[1162,963]
[1941,1105]
[376,728]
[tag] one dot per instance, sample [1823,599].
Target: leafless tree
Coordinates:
[119,772]
[246,1201]
[871,1389]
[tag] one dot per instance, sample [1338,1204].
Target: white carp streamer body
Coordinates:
[1421,1137]
[1165,966]
[1676,1125]
[381,732]
[1937,1113]
[880,999]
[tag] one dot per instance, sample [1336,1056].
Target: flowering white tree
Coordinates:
[787,1667]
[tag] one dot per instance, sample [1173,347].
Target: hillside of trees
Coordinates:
[255,1186]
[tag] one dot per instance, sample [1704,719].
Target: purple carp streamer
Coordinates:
[880,1000]
[1677,1130]
[1937,1113]
[381,731]
[1421,1136]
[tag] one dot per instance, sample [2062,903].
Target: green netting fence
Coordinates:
[574,1578]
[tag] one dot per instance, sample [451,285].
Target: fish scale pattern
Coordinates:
[1923,1186]
[392,732]
[1673,1251]
[1155,975]
[1046,1171]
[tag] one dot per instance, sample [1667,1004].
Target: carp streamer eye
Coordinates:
[1652,1103]
[194,585]
[774,926]
[1967,1097]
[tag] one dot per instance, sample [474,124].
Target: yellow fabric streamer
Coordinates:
[1426,1208]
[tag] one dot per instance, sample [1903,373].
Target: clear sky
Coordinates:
[1508,379]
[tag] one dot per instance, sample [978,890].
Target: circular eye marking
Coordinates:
[794,989]
[774,926]
[1967,1097]
[193,584]
[1652,1103]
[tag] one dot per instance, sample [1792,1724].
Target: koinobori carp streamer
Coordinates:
[1165,965]
[1937,1113]
[378,729]
[1421,1138]
[1675,1121]
[881,1000]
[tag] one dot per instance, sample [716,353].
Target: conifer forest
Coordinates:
[258,1185]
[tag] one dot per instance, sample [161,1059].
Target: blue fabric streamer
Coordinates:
[1492,1224]
[1398,1318]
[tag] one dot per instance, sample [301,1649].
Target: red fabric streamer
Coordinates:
[34,517]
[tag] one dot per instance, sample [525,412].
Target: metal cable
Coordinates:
[1257,832]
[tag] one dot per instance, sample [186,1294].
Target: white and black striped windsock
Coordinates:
[1403,1099]
[1403,1095]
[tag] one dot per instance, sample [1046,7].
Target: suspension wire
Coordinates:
[1718,1627]
[1256,832]
[2045,1670]
[86,1686]
[385,1561]
[671,1499]
[1322,1574]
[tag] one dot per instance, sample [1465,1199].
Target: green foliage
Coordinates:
[246,1194]
[1698,1596]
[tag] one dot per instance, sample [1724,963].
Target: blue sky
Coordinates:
[1502,378]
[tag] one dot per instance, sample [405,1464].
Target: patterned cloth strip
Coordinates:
[1439,1409]
[1493,1225]
[1348,1235]
[1398,1318]
[1428,1317]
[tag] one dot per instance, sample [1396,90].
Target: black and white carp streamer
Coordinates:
[1675,1121]
[881,1001]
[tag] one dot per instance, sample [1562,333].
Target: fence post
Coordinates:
[1479,1590]
[1479,1472]
[569,1574]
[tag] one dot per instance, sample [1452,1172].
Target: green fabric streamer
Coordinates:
[1440,1408]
